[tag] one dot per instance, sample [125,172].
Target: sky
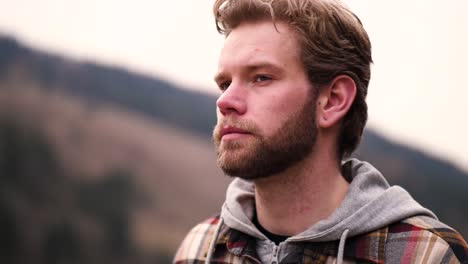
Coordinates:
[418,90]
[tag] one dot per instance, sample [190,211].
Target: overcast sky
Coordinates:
[418,92]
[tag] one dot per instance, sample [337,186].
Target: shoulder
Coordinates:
[196,243]
[423,239]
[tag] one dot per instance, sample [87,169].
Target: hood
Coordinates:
[369,204]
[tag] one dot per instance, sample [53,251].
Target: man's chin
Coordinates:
[233,162]
[234,171]
[231,158]
[242,172]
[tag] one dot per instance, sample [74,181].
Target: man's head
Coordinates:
[324,41]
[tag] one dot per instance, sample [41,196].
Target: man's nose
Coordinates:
[232,101]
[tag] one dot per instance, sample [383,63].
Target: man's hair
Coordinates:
[332,42]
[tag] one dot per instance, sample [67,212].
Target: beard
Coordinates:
[260,156]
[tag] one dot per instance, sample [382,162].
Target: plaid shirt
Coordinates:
[414,240]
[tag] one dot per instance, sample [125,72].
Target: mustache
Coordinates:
[245,125]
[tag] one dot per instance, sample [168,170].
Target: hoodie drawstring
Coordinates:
[339,257]
[213,241]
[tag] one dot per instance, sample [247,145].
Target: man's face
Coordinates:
[266,113]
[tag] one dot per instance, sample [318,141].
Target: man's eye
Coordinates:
[224,85]
[262,78]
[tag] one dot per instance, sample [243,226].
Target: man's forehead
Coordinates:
[255,45]
[251,57]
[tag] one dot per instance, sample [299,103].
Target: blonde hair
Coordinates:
[332,42]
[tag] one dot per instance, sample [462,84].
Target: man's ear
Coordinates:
[334,101]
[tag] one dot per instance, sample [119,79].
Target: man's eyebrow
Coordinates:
[252,67]
[264,65]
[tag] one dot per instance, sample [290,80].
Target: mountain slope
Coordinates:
[102,84]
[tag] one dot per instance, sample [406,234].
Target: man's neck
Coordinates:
[290,202]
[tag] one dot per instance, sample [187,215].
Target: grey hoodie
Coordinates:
[369,204]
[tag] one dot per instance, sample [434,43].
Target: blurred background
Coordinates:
[106,111]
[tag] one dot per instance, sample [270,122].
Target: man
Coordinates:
[294,77]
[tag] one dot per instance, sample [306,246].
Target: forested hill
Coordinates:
[99,84]
[98,135]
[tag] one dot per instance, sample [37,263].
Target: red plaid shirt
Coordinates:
[414,240]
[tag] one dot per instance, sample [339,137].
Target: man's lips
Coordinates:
[229,130]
